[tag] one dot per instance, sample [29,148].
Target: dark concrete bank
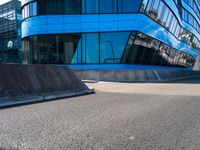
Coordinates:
[24,84]
[136,75]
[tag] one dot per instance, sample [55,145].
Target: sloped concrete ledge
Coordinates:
[26,84]
[135,75]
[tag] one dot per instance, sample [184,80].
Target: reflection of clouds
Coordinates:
[169,30]
[169,54]
[163,35]
[166,37]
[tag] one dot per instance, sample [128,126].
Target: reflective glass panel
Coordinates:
[112,46]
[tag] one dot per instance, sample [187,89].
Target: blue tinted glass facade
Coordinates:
[144,32]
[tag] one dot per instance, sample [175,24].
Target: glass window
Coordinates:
[143,6]
[43,51]
[59,7]
[160,12]
[41,7]
[34,51]
[115,47]
[52,7]
[26,49]
[173,19]
[155,5]
[68,47]
[78,52]
[22,14]
[29,10]
[26,11]
[164,19]
[112,46]
[72,6]
[90,48]
[155,9]
[34,8]
[174,27]
[128,6]
[177,30]
[55,49]
[108,6]
[90,6]
[148,9]
[169,20]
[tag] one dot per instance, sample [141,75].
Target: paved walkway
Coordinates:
[189,87]
[116,119]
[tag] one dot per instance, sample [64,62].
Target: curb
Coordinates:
[40,99]
[145,81]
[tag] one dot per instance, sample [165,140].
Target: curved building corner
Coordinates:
[112,34]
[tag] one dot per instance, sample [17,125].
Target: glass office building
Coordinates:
[10,32]
[111,33]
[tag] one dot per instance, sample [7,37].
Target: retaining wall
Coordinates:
[32,83]
[135,75]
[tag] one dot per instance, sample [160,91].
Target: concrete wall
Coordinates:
[197,64]
[29,81]
[135,75]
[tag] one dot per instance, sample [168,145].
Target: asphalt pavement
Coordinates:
[120,116]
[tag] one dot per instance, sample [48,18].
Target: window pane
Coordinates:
[112,46]
[34,9]
[60,7]
[90,48]
[108,6]
[70,45]
[129,5]
[72,6]
[91,6]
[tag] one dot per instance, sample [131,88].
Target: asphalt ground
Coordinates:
[152,116]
